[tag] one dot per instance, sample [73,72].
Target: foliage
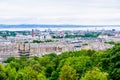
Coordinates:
[7,33]
[95,74]
[111,62]
[3,74]
[67,72]
[10,59]
[85,44]
[49,40]
[111,42]
[72,36]
[37,41]
[73,65]
[92,34]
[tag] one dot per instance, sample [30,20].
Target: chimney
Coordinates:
[32,32]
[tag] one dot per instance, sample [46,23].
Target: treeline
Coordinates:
[86,35]
[7,33]
[74,65]
[40,41]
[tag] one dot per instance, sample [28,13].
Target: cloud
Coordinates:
[59,11]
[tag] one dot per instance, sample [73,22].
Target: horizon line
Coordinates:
[69,24]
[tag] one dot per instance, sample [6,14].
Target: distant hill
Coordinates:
[52,26]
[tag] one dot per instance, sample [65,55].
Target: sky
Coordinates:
[80,12]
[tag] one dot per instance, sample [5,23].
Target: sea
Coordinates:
[60,28]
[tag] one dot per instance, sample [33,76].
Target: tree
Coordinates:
[111,62]
[15,65]
[95,74]
[11,72]
[80,64]
[28,74]
[97,57]
[10,59]
[54,75]
[3,75]
[41,77]
[67,73]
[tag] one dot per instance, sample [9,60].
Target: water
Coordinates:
[61,29]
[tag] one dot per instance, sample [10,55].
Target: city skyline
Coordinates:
[87,12]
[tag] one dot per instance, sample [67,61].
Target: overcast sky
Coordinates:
[60,12]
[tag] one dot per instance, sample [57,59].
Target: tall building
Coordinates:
[32,32]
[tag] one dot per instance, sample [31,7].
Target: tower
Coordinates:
[32,32]
[24,51]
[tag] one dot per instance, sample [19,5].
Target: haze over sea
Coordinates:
[58,27]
